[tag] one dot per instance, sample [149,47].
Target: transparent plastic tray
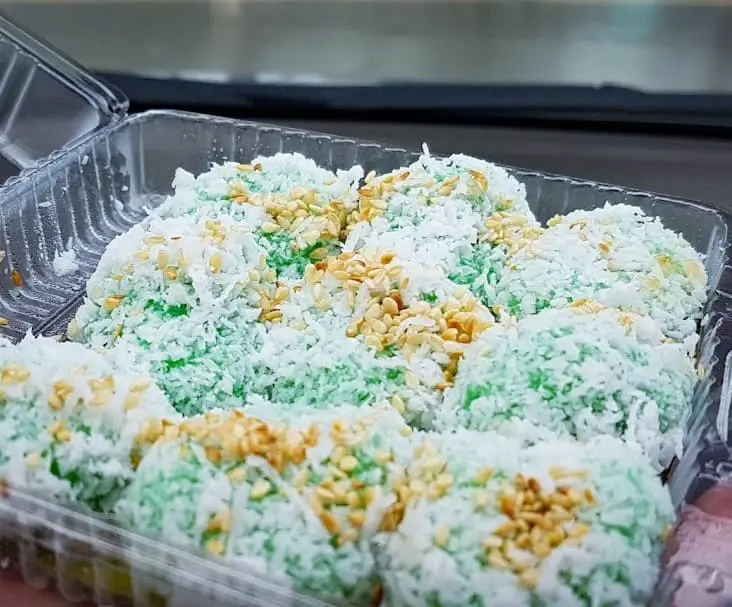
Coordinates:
[108,183]
[48,102]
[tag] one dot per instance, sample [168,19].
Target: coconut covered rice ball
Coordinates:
[580,371]
[615,254]
[434,211]
[367,327]
[188,298]
[69,421]
[550,523]
[296,209]
[299,501]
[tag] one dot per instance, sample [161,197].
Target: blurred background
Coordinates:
[638,93]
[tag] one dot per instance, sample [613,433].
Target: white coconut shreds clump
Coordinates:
[578,372]
[185,297]
[496,521]
[296,209]
[316,368]
[300,501]
[368,326]
[435,210]
[617,255]
[69,420]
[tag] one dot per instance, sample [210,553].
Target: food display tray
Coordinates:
[98,189]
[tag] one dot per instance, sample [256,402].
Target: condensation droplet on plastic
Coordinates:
[710,580]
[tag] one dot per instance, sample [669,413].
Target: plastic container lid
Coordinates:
[47,101]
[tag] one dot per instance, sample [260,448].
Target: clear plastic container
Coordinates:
[103,186]
[47,102]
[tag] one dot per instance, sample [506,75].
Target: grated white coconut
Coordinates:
[454,550]
[580,372]
[304,522]
[616,255]
[335,315]
[69,418]
[434,210]
[181,296]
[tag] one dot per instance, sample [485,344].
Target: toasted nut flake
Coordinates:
[260,489]
[579,530]
[357,518]
[442,536]
[112,302]
[221,522]
[398,403]
[215,547]
[529,578]
[14,374]
[481,499]
[4,322]
[330,523]
[270,227]
[16,278]
[55,402]
[63,436]
[498,561]
[348,463]
[483,476]
[492,542]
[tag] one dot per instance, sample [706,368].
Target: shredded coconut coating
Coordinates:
[580,371]
[616,255]
[299,496]
[69,421]
[434,211]
[296,209]
[187,297]
[553,523]
[398,390]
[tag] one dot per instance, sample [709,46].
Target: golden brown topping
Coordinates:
[586,306]
[511,230]
[215,547]
[14,374]
[102,391]
[260,489]
[538,521]
[16,278]
[112,302]
[221,522]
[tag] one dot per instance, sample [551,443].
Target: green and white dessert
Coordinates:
[435,210]
[69,421]
[300,501]
[188,298]
[488,520]
[580,371]
[296,209]
[369,327]
[615,254]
